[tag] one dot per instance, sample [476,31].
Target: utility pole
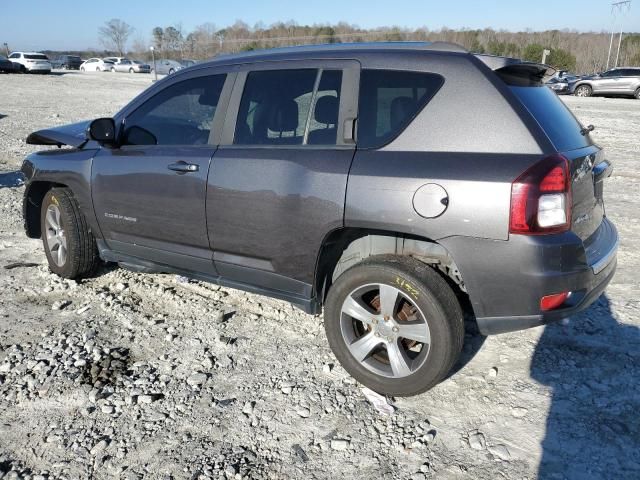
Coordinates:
[621,7]
[153,57]
[545,53]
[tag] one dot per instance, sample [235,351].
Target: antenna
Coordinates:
[620,7]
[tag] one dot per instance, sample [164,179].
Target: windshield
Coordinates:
[35,56]
[562,128]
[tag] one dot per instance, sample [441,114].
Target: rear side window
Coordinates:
[38,56]
[389,100]
[181,114]
[289,107]
[562,128]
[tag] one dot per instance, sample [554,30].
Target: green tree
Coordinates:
[533,52]
[562,59]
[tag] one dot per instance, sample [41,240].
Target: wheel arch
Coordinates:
[33,196]
[345,247]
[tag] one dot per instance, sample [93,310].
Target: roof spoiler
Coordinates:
[517,72]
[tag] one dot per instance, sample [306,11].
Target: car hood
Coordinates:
[72,134]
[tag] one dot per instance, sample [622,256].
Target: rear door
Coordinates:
[149,194]
[277,184]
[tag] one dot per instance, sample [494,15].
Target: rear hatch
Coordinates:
[588,167]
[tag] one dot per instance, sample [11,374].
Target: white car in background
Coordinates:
[122,64]
[96,65]
[31,62]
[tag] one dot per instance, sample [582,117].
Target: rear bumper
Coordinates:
[506,279]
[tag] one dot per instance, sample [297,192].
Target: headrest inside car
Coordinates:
[327,110]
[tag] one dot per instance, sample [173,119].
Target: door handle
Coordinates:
[183,167]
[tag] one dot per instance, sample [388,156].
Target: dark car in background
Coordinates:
[392,185]
[67,62]
[562,85]
[6,65]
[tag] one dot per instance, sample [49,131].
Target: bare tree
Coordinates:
[114,35]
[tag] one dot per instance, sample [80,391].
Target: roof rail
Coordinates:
[336,47]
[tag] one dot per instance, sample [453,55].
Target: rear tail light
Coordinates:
[541,198]
[551,302]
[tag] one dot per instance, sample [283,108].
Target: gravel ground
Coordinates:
[147,376]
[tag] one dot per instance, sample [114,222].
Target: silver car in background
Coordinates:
[617,81]
[167,67]
[122,64]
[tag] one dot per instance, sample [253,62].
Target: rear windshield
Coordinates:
[38,56]
[75,59]
[562,128]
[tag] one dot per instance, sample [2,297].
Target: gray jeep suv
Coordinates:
[617,81]
[394,185]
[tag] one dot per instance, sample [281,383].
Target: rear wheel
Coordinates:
[113,69]
[636,95]
[82,69]
[171,70]
[131,70]
[68,243]
[584,91]
[394,324]
[97,69]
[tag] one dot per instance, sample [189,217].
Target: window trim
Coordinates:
[348,99]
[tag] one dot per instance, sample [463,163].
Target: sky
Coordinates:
[73,25]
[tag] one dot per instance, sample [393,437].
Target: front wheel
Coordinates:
[394,324]
[82,69]
[171,70]
[68,242]
[636,95]
[584,91]
[113,69]
[131,70]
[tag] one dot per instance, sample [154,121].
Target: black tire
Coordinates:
[431,294]
[82,69]
[81,252]
[113,69]
[171,71]
[131,70]
[583,91]
[636,95]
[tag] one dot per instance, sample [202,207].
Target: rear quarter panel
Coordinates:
[473,138]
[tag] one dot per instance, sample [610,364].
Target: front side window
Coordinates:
[181,114]
[14,55]
[389,100]
[289,107]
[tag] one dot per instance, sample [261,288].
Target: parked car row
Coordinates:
[617,81]
[32,62]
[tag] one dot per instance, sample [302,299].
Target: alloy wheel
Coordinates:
[56,238]
[384,330]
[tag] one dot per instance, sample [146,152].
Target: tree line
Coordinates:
[582,52]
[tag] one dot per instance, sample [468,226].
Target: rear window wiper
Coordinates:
[585,130]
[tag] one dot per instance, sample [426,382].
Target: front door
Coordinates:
[277,187]
[149,194]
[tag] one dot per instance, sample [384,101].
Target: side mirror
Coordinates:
[103,131]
